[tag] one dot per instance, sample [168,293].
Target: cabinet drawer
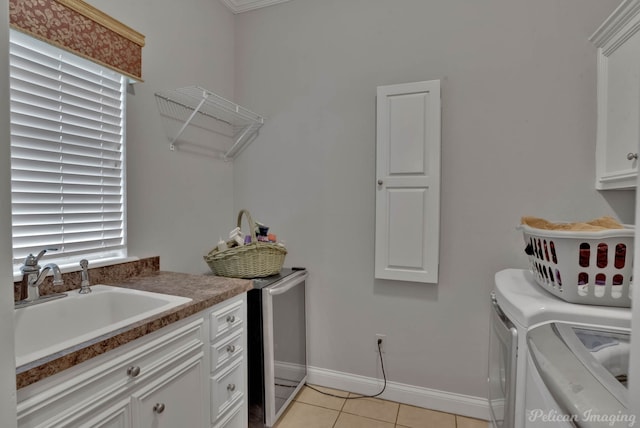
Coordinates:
[152,360]
[227,349]
[227,388]
[235,418]
[227,318]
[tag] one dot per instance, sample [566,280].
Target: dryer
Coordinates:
[577,376]
[520,305]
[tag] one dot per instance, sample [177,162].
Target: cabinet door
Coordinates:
[174,400]
[103,415]
[618,42]
[408,182]
[115,417]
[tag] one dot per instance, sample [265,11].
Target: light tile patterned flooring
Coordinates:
[310,409]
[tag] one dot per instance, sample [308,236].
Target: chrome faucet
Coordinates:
[32,278]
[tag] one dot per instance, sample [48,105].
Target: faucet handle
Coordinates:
[32,261]
[31,265]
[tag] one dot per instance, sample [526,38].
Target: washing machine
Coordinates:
[520,305]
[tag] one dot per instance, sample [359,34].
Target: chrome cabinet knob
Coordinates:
[380,182]
[231,319]
[231,349]
[158,408]
[231,387]
[632,156]
[133,371]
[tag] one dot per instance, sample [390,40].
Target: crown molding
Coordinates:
[238,6]
[622,17]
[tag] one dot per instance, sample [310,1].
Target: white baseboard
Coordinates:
[289,370]
[459,404]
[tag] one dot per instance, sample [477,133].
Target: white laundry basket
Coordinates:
[593,268]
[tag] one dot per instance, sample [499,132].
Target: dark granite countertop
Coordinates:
[204,290]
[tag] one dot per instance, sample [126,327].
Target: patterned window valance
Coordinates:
[82,29]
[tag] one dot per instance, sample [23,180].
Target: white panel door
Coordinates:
[408,182]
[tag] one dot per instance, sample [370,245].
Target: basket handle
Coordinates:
[529,249]
[252,225]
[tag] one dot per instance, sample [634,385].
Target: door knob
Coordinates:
[158,408]
[231,387]
[632,156]
[231,318]
[231,349]
[380,182]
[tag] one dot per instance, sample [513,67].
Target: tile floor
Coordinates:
[310,409]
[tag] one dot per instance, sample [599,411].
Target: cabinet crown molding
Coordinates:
[613,25]
[238,6]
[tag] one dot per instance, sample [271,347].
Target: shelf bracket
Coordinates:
[237,145]
[172,143]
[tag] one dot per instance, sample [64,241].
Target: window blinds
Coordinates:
[67,153]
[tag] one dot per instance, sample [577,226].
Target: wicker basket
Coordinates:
[255,260]
[592,268]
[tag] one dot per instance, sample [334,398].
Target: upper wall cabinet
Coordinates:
[618,43]
[408,182]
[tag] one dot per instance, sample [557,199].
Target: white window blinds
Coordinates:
[67,153]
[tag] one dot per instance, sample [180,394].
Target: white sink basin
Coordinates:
[51,327]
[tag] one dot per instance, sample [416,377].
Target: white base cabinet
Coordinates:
[228,365]
[189,374]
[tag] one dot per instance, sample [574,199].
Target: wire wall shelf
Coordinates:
[198,107]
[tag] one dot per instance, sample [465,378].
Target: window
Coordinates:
[67,154]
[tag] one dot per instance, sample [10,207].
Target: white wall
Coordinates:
[178,202]
[518,138]
[7,360]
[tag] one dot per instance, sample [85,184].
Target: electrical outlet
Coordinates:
[382,339]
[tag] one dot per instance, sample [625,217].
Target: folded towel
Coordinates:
[602,223]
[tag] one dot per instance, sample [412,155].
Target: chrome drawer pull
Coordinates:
[231,319]
[231,387]
[133,371]
[158,408]
[231,349]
